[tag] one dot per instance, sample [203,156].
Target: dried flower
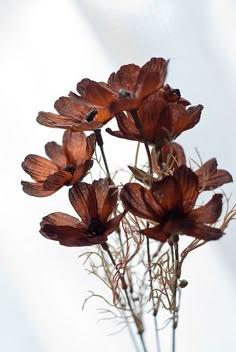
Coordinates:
[74,115]
[94,204]
[171,156]
[126,88]
[161,121]
[170,203]
[68,164]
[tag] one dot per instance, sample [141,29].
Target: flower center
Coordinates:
[90,115]
[69,168]
[124,93]
[95,227]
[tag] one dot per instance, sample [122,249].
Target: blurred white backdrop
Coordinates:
[46,47]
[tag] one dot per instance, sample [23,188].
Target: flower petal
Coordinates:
[113,224]
[151,77]
[74,146]
[38,167]
[209,212]
[35,189]
[106,195]
[55,181]
[188,182]
[83,199]
[140,202]
[167,194]
[155,233]
[125,78]
[55,152]
[210,177]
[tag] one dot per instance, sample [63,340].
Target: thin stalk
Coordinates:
[100,143]
[136,319]
[139,127]
[175,260]
[153,302]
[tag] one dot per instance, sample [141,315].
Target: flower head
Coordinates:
[170,203]
[67,164]
[94,204]
[74,115]
[126,88]
[161,121]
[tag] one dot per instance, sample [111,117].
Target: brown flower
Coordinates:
[126,88]
[74,115]
[170,203]
[171,156]
[94,204]
[68,164]
[161,121]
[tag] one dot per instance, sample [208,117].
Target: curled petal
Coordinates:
[210,177]
[106,196]
[35,189]
[209,212]
[38,167]
[55,152]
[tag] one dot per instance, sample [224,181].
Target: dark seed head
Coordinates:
[90,115]
[69,168]
[176,91]
[94,227]
[124,93]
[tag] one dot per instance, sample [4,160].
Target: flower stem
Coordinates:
[99,140]
[153,303]
[136,319]
[139,127]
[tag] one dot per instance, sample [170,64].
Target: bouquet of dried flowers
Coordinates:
[135,228]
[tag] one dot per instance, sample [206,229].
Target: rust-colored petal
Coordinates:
[55,152]
[81,171]
[83,199]
[106,195]
[140,202]
[66,229]
[55,181]
[74,146]
[125,78]
[35,189]
[70,107]
[127,128]
[49,119]
[155,233]
[209,212]
[203,232]
[91,143]
[97,94]
[113,224]
[151,77]
[167,194]
[210,177]
[38,167]
[188,183]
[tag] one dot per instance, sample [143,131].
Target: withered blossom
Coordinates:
[171,156]
[170,203]
[74,115]
[94,203]
[126,88]
[161,121]
[67,164]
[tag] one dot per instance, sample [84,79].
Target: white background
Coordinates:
[46,47]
